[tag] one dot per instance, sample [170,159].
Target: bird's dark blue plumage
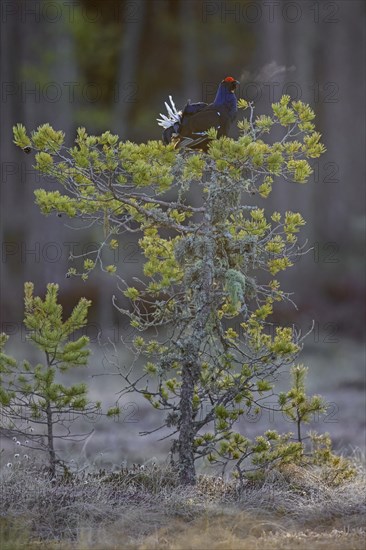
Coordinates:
[225,96]
[188,128]
[192,108]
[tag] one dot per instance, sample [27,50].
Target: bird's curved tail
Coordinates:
[173,117]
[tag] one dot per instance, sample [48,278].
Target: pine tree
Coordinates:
[296,405]
[36,406]
[210,271]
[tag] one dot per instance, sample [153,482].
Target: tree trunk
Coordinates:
[128,66]
[33,246]
[187,472]
[191,351]
[50,446]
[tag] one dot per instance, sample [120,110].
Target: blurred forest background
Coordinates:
[110,64]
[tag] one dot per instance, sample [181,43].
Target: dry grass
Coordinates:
[224,536]
[142,510]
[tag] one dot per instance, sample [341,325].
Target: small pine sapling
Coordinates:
[296,405]
[301,409]
[35,405]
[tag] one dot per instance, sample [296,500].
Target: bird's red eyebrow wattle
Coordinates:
[229,79]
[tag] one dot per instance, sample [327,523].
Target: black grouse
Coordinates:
[188,127]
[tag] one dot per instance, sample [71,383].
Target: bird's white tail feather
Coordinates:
[173,115]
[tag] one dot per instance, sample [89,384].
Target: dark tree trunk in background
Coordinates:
[272,69]
[269,75]
[32,245]
[57,107]
[12,187]
[190,53]
[340,205]
[128,87]
[302,53]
